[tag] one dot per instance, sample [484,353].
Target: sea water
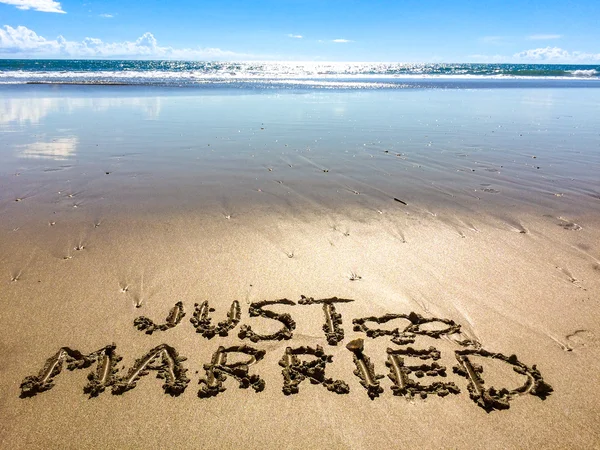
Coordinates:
[294,74]
[312,133]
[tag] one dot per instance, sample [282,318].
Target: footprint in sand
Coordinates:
[570,277]
[568,225]
[582,338]
[15,276]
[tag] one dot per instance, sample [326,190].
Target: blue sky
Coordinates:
[330,30]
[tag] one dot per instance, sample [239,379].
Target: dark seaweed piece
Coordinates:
[405,385]
[202,321]
[295,371]
[165,360]
[492,398]
[218,369]
[257,309]
[175,315]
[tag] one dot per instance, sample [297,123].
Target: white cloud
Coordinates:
[295,36]
[552,55]
[341,41]
[34,110]
[107,16]
[556,55]
[57,149]
[23,42]
[543,37]
[36,5]
[28,110]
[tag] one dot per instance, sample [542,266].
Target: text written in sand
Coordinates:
[412,371]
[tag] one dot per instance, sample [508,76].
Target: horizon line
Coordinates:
[545,63]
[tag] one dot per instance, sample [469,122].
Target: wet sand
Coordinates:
[466,246]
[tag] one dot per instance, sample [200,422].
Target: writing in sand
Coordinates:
[303,363]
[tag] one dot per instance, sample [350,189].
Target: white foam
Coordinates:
[584,73]
[348,75]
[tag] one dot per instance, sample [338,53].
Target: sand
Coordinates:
[303,316]
[532,294]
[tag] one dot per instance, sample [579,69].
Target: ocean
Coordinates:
[310,75]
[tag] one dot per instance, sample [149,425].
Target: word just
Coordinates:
[298,364]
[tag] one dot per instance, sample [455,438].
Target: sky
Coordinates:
[523,31]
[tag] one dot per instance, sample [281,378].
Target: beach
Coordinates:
[455,231]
